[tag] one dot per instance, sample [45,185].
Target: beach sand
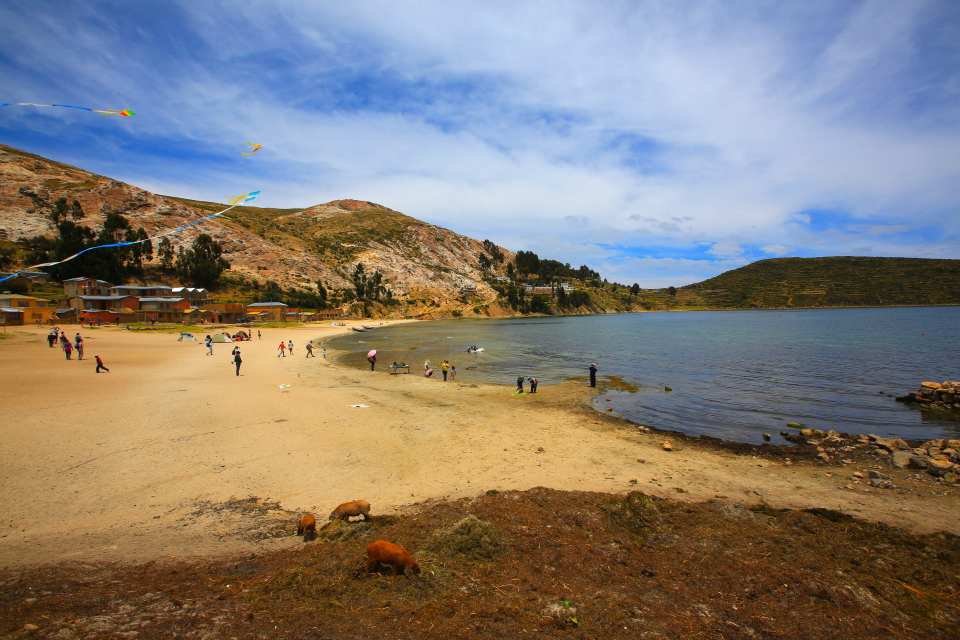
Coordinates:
[123,466]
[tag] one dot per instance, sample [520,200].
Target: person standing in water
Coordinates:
[373,361]
[445,368]
[593,374]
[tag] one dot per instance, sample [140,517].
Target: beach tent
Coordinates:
[187,337]
[220,337]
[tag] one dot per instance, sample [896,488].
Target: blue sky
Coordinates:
[659,142]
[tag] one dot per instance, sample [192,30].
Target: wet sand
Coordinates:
[112,466]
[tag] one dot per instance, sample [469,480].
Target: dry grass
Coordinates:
[564,565]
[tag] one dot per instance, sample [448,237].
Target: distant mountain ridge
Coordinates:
[830,282]
[435,271]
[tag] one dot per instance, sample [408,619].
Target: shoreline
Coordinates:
[113,466]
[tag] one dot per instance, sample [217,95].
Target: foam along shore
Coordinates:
[125,465]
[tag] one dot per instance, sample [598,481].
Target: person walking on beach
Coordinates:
[209,345]
[310,350]
[237,360]
[290,346]
[593,374]
[259,337]
[519,384]
[533,384]
[100,364]
[283,349]
[373,361]
[79,347]
[445,368]
[67,348]
[324,352]
[52,337]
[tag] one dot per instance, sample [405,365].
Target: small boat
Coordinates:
[360,329]
[367,327]
[474,349]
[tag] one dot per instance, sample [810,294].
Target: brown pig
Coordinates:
[382,552]
[308,527]
[355,508]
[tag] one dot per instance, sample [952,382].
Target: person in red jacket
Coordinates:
[100,364]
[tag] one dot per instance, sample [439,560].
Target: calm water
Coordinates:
[733,374]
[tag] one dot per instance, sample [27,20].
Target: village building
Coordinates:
[32,308]
[549,290]
[328,314]
[164,309]
[267,311]
[102,309]
[225,312]
[25,280]
[141,291]
[198,296]
[10,315]
[85,287]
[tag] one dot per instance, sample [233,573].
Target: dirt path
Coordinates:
[130,465]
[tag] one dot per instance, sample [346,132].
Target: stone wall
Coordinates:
[934,395]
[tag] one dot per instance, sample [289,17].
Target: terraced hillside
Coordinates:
[830,282]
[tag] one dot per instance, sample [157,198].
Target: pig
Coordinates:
[382,552]
[308,527]
[355,508]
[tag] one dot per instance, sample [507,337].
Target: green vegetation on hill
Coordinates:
[830,282]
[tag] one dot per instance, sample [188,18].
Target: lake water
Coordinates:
[733,374]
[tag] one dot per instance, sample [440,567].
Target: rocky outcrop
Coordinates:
[935,395]
[939,458]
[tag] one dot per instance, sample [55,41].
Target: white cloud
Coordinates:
[646,126]
[777,250]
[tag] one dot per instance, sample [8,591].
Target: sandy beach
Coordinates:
[113,466]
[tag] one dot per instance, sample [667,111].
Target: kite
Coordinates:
[255,147]
[103,112]
[237,199]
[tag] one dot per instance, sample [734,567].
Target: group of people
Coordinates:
[449,370]
[533,384]
[58,335]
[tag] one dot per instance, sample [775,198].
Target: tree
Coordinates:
[165,253]
[672,291]
[202,264]
[635,289]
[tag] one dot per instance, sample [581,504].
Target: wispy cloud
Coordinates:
[654,141]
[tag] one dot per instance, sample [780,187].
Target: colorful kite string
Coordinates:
[247,197]
[103,112]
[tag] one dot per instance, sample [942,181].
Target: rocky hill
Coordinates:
[421,262]
[829,282]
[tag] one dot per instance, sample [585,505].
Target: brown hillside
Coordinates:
[294,247]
